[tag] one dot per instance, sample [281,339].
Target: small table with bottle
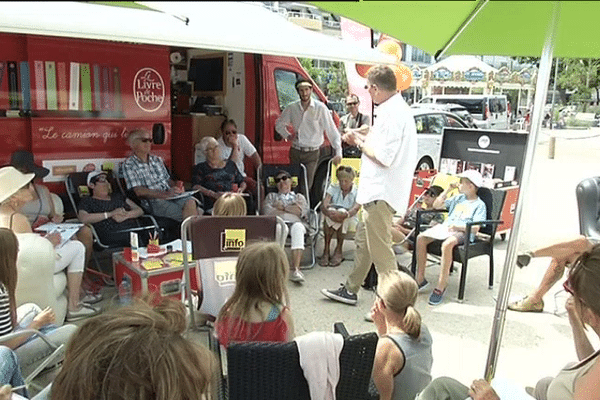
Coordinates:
[160,273]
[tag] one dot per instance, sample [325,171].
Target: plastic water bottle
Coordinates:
[125,290]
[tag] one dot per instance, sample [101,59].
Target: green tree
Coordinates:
[583,76]
[332,80]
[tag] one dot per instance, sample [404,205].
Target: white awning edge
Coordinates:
[223,26]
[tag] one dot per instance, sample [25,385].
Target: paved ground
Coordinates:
[533,345]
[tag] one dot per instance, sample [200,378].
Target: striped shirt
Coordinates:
[5,321]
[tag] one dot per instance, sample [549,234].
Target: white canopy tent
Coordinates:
[224,26]
[462,64]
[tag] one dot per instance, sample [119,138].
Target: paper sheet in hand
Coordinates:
[439,232]
[183,195]
[67,230]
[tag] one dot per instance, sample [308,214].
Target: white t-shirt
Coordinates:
[393,138]
[246,146]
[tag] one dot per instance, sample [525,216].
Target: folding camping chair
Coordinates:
[266,177]
[76,185]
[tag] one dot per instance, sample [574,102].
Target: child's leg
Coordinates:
[397,235]
[446,262]
[421,249]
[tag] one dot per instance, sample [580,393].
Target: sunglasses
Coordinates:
[351,104]
[283,178]
[146,140]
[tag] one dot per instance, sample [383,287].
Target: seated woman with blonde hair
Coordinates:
[403,359]
[135,352]
[230,204]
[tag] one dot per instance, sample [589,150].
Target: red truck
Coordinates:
[72,101]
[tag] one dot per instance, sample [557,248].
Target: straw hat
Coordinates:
[11,180]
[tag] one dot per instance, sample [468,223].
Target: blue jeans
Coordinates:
[10,373]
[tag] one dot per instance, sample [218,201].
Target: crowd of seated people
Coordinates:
[403,360]
[16,190]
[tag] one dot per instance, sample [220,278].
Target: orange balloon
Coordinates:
[363,69]
[403,77]
[390,47]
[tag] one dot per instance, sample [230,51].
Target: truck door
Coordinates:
[280,75]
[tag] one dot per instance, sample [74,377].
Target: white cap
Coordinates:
[94,174]
[474,176]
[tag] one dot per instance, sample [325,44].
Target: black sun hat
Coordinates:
[23,161]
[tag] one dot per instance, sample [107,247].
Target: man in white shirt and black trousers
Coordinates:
[304,122]
[389,156]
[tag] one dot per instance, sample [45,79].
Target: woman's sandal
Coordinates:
[526,305]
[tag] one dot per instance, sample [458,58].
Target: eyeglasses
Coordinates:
[145,140]
[230,132]
[283,178]
[351,104]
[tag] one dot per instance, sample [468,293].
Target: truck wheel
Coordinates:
[424,164]
[319,185]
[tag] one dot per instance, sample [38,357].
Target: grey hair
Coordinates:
[205,141]
[134,134]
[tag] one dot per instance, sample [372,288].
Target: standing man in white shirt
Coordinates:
[389,156]
[304,122]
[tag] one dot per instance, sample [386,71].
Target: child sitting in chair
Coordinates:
[403,229]
[258,310]
[463,208]
[339,209]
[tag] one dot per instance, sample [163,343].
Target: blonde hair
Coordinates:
[399,292]
[345,172]
[261,277]
[230,204]
[134,352]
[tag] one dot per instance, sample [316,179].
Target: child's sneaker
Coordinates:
[423,286]
[436,296]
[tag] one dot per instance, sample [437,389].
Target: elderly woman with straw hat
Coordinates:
[16,189]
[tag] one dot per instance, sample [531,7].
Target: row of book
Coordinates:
[59,86]
[454,167]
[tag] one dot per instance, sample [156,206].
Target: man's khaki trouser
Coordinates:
[373,242]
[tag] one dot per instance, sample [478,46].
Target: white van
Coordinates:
[489,111]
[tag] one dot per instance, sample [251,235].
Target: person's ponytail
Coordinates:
[412,322]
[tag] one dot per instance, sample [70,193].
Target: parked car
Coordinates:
[489,111]
[454,108]
[430,126]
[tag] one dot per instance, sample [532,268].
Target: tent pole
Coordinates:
[541,90]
